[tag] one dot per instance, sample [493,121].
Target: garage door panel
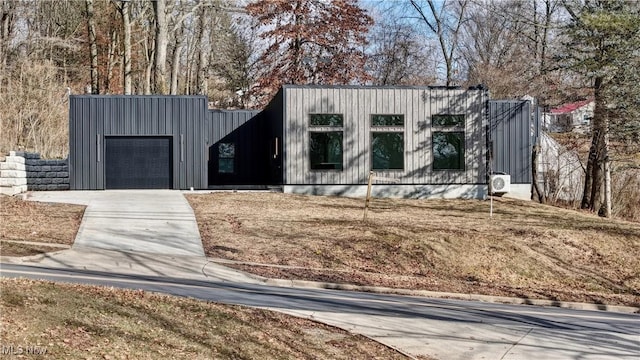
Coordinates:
[138,163]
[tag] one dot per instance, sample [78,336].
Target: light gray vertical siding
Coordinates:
[511,134]
[94,117]
[357,104]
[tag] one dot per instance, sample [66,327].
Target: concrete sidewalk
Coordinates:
[135,263]
[148,221]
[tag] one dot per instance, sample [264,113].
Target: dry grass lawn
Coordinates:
[42,223]
[527,250]
[88,322]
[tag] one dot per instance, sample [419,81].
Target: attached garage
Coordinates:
[137,142]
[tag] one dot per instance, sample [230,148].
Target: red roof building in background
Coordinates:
[575,116]
[570,107]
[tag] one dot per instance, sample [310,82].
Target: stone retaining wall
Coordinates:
[22,171]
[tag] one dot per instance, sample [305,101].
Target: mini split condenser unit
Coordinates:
[500,184]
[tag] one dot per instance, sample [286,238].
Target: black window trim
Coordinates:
[454,129]
[464,151]
[324,129]
[325,126]
[388,129]
[456,126]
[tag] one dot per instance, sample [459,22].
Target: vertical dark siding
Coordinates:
[248,130]
[92,117]
[511,133]
[273,116]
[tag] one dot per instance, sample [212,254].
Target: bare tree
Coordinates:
[398,55]
[161,41]
[124,9]
[445,21]
[93,47]
[203,53]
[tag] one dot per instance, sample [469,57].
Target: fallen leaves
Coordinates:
[91,322]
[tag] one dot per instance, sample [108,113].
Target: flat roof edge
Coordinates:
[121,96]
[420,87]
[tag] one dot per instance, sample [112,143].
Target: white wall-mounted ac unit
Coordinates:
[500,184]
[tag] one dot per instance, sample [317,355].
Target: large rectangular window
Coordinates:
[448,140]
[387,142]
[326,150]
[226,158]
[325,141]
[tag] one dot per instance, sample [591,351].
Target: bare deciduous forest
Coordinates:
[239,52]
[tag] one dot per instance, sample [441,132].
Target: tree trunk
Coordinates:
[7,8]
[606,168]
[126,56]
[111,61]
[93,47]
[535,190]
[175,60]
[607,185]
[149,52]
[160,79]
[201,76]
[586,192]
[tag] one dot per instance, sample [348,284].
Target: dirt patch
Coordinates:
[88,322]
[527,249]
[31,221]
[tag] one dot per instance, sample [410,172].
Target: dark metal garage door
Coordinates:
[138,162]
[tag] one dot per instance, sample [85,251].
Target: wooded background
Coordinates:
[239,52]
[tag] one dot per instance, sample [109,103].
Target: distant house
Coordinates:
[560,172]
[575,116]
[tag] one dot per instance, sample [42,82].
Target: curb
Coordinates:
[445,295]
[441,295]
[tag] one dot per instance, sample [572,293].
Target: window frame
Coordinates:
[390,129]
[461,156]
[458,128]
[325,129]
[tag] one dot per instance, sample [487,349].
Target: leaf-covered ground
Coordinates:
[89,322]
[525,250]
[23,223]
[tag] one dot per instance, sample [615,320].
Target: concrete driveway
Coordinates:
[140,221]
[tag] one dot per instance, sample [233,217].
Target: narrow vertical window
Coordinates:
[226,158]
[325,141]
[387,142]
[448,141]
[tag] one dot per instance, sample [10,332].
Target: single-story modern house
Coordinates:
[419,142]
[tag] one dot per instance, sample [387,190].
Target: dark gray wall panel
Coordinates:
[511,134]
[92,117]
[274,116]
[249,132]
